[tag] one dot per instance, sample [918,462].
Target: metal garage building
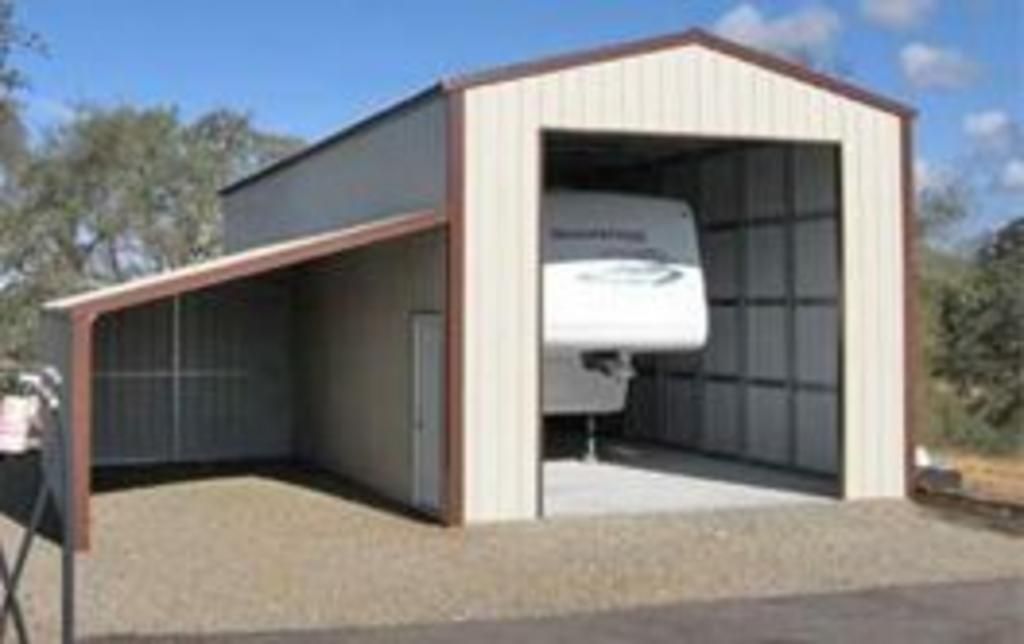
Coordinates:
[339,324]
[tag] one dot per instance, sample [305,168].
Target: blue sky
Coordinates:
[307,67]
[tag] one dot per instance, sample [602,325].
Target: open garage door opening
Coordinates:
[691,344]
[327,367]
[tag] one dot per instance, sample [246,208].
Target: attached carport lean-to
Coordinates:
[298,351]
[753,417]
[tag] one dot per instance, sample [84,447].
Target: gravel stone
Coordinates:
[262,552]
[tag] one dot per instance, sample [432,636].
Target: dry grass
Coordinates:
[993,478]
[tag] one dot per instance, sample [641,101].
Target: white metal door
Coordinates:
[428,379]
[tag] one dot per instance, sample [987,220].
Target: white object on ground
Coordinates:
[19,424]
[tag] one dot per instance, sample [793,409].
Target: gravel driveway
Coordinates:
[259,553]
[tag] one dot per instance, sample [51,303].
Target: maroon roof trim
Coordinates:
[690,37]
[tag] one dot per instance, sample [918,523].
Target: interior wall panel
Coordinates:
[767,438]
[817,431]
[236,370]
[766,262]
[201,378]
[353,355]
[766,343]
[816,260]
[721,411]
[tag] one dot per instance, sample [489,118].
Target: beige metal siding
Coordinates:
[685,91]
[355,364]
[396,165]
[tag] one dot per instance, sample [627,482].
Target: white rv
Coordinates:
[622,275]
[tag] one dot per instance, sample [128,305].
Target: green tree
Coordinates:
[13,38]
[981,334]
[113,194]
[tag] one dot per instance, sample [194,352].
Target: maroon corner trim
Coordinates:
[455,493]
[913,368]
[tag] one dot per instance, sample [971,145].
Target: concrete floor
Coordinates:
[640,479]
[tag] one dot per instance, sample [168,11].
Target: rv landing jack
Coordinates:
[590,456]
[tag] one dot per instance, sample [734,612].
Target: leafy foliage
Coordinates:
[972,327]
[13,38]
[114,194]
[981,331]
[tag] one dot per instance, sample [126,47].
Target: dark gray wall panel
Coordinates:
[138,339]
[225,419]
[766,261]
[817,427]
[206,377]
[133,419]
[720,248]
[642,413]
[722,352]
[721,429]
[766,342]
[681,409]
[817,328]
[236,376]
[719,197]
[816,263]
[768,432]
[815,175]
[766,192]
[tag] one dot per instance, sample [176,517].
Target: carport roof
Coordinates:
[245,264]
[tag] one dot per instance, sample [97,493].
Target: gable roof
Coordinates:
[699,37]
[555,63]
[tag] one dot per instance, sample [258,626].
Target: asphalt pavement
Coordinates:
[978,612]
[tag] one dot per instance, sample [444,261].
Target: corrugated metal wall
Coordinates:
[353,348]
[393,166]
[688,90]
[766,387]
[202,377]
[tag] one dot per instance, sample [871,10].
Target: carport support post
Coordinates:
[70,536]
[76,437]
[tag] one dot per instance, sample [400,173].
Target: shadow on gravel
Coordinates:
[109,480]
[977,612]
[19,483]
[965,510]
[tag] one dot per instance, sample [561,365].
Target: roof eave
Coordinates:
[397,107]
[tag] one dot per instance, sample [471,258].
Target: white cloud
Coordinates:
[1012,177]
[926,67]
[992,131]
[805,35]
[896,14]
